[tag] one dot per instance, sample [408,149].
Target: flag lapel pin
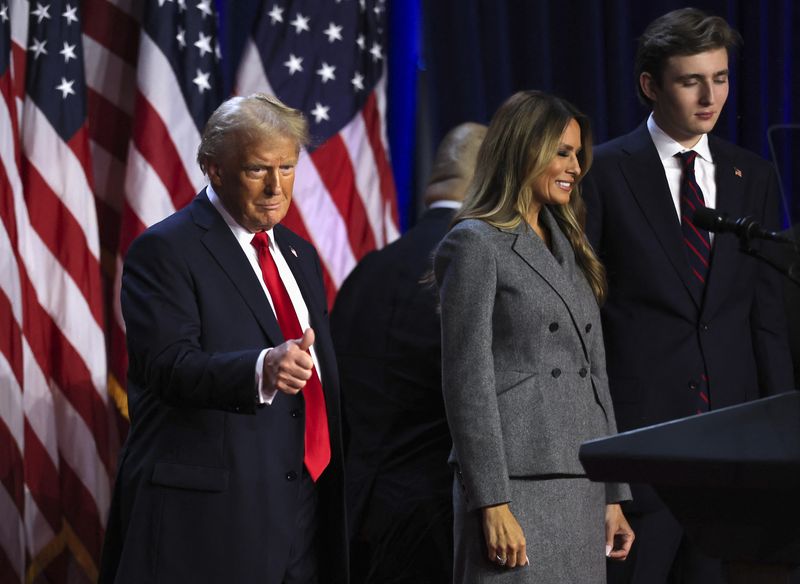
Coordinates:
[737,172]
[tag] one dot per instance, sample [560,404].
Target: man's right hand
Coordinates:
[288,366]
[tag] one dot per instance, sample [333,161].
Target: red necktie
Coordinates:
[317,441]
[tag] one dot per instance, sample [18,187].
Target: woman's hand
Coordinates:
[505,542]
[619,535]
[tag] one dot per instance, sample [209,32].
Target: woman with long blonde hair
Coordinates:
[523,361]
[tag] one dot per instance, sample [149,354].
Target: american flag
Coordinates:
[328,59]
[177,86]
[58,451]
[97,90]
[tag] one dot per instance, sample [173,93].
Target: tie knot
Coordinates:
[260,241]
[687,159]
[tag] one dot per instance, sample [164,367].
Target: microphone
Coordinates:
[744,227]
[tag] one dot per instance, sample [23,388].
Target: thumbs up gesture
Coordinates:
[288,366]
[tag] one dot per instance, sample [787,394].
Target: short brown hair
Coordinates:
[687,31]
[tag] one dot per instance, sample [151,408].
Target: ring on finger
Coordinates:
[500,560]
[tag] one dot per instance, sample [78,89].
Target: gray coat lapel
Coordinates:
[558,268]
[222,245]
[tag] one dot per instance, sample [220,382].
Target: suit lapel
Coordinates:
[556,268]
[221,244]
[297,265]
[645,176]
[730,200]
[300,266]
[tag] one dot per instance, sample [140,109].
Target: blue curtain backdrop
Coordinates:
[456,60]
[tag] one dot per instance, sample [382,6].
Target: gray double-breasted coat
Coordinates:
[524,384]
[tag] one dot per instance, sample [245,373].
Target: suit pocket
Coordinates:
[509,381]
[544,421]
[521,407]
[195,478]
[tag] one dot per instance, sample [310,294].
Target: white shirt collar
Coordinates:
[445,204]
[241,234]
[667,147]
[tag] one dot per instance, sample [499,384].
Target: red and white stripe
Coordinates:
[111,47]
[344,192]
[57,440]
[57,454]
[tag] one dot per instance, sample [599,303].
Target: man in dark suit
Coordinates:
[386,330]
[232,471]
[691,324]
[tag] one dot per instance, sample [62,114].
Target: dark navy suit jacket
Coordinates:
[208,480]
[386,329]
[659,338]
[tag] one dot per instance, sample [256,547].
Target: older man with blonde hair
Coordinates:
[232,471]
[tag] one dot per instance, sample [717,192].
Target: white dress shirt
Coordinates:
[244,238]
[703,166]
[445,204]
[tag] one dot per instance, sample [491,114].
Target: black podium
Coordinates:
[731,477]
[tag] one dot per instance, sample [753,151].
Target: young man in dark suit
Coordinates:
[691,324]
[232,471]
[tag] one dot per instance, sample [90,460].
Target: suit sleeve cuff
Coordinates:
[265,396]
[617,493]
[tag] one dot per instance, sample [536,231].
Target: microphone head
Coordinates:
[709,219]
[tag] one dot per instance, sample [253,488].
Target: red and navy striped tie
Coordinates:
[696,240]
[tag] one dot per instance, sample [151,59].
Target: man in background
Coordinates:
[385,327]
[690,324]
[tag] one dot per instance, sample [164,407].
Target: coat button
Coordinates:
[291,475]
[556,372]
[693,385]
[583,372]
[588,327]
[553,327]
[703,326]
[295,413]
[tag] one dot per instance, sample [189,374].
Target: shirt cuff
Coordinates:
[265,396]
